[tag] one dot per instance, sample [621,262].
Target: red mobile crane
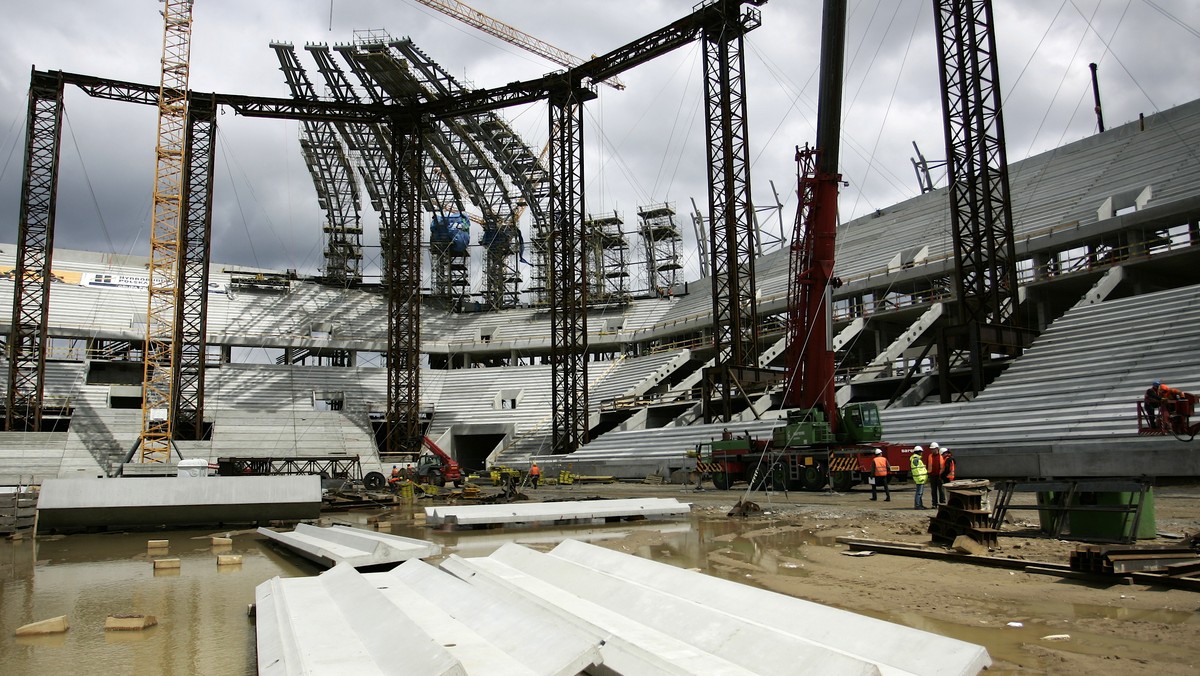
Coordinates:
[819,443]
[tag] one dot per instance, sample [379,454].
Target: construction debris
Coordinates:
[129,622]
[54,625]
[163,564]
[744,508]
[1122,559]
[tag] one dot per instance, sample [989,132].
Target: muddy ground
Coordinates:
[1030,623]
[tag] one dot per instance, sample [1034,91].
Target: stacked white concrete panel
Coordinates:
[339,623]
[554,512]
[577,609]
[891,648]
[352,546]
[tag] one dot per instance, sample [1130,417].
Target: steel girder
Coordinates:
[191,321]
[980,209]
[32,276]
[333,177]
[731,212]
[402,284]
[568,272]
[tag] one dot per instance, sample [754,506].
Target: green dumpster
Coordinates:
[1111,525]
[1046,516]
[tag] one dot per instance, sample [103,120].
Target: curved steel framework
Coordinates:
[333,177]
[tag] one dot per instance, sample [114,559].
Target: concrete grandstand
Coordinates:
[1107,232]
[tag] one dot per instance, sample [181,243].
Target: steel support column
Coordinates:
[191,322]
[35,244]
[568,271]
[402,284]
[731,212]
[980,210]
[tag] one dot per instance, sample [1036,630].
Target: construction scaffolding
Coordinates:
[661,239]
[607,249]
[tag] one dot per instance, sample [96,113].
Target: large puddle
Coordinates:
[203,625]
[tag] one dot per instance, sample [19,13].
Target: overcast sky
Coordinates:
[644,144]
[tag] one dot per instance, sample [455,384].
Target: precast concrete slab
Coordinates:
[895,648]
[355,546]
[154,501]
[338,623]
[629,647]
[578,609]
[555,512]
[684,615]
[526,631]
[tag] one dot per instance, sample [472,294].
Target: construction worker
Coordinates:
[935,474]
[535,474]
[394,479]
[949,466]
[920,474]
[880,476]
[1154,399]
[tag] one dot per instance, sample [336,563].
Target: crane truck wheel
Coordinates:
[843,481]
[814,477]
[436,480]
[374,481]
[721,480]
[458,483]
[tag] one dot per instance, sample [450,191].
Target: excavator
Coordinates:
[1173,416]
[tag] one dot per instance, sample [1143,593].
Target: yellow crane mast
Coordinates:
[159,374]
[494,27]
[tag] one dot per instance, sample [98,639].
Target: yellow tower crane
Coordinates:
[494,27]
[159,374]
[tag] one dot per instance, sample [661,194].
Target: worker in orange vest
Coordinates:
[535,473]
[948,466]
[936,466]
[880,476]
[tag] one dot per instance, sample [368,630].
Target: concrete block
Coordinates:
[218,542]
[165,564]
[53,625]
[356,546]
[229,560]
[967,545]
[129,622]
[158,544]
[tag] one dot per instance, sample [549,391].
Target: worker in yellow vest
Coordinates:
[920,475]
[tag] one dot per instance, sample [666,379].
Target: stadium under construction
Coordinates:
[599,356]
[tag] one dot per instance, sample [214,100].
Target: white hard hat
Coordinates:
[934,446]
[917,449]
[878,451]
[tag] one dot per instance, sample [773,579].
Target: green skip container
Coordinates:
[1111,525]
